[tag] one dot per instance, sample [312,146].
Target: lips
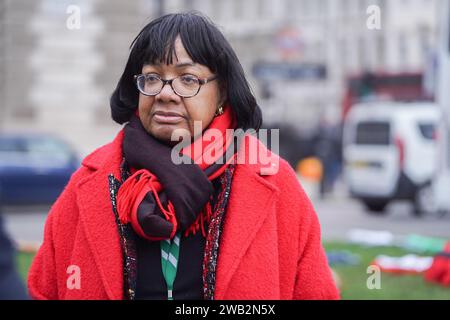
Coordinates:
[167,117]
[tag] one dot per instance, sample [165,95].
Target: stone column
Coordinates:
[16,43]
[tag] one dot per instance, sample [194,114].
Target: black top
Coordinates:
[188,285]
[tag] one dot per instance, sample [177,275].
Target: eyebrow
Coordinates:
[185,64]
[178,66]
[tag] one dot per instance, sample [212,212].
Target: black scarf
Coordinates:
[186,188]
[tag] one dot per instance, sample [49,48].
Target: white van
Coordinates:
[390,153]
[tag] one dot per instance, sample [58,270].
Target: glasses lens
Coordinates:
[186,85]
[149,84]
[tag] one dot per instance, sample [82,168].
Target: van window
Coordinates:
[427,130]
[11,145]
[47,148]
[373,133]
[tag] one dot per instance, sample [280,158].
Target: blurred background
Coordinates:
[360,90]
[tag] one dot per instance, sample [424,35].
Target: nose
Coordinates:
[167,94]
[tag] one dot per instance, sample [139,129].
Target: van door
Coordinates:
[372,159]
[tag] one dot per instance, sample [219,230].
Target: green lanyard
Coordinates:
[170,251]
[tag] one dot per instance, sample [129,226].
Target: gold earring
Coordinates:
[219,111]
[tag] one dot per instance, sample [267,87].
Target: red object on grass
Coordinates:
[440,269]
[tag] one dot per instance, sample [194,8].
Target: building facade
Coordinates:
[57,76]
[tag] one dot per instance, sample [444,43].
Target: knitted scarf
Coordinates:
[161,198]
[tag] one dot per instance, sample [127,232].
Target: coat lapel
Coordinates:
[252,199]
[97,217]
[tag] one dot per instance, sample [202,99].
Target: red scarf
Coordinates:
[133,191]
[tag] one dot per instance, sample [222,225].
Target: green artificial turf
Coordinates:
[354,278]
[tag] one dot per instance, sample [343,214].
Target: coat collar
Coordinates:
[242,221]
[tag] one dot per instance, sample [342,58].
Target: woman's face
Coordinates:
[165,112]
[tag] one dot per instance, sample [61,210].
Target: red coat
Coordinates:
[270,246]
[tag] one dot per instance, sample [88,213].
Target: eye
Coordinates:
[189,79]
[152,78]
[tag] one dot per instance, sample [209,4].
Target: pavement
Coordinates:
[340,215]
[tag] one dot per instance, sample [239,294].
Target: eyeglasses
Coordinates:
[185,86]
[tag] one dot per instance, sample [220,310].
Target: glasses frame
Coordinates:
[201,82]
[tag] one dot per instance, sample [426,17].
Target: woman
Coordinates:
[135,223]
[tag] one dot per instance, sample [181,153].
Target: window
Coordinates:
[290,9]
[48,149]
[380,51]
[427,130]
[11,145]
[403,49]
[373,133]
[43,145]
[189,4]
[238,9]
[217,10]
[362,56]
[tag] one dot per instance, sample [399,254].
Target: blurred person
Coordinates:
[133,224]
[11,286]
[328,147]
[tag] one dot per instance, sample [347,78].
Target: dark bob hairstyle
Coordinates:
[206,45]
